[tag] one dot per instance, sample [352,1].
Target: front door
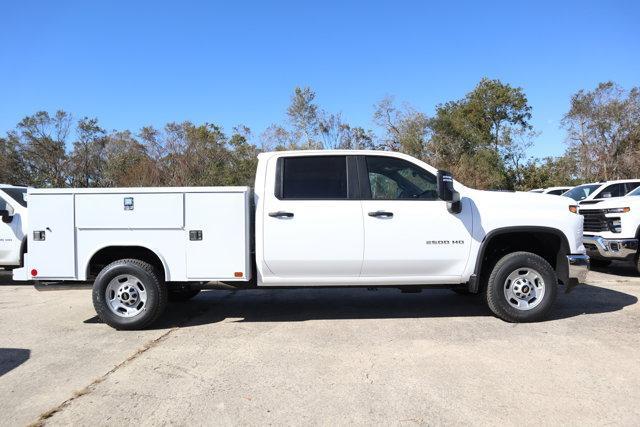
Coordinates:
[408,231]
[313,227]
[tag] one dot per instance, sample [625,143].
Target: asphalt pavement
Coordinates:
[322,356]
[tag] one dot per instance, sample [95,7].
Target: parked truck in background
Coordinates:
[313,219]
[596,192]
[612,229]
[554,191]
[13,238]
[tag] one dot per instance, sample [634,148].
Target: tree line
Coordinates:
[482,138]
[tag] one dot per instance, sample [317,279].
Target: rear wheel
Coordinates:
[129,294]
[522,287]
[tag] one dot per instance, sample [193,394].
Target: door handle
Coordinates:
[381,214]
[281,214]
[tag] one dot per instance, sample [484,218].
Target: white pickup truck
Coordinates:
[612,229]
[314,219]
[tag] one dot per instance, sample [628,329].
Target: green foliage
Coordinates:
[603,130]
[482,138]
[477,137]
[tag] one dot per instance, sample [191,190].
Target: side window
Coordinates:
[555,192]
[631,186]
[613,190]
[314,177]
[396,179]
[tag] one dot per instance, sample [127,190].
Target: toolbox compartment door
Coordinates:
[217,236]
[129,211]
[51,216]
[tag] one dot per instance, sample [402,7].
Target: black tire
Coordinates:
[600,263]
[179,294]
[497,283]
[152,282]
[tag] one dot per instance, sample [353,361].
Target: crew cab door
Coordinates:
[408,231]
[312,225]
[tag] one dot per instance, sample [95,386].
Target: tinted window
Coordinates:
[556,192]
[397,179]
[314,177]
[581,192]
[632,186]
[635,192]
[17,194]
[613,190]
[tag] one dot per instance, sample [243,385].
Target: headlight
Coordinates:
[616,210]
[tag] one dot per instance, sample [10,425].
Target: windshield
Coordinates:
[635,192]
[581,192]
[17,194]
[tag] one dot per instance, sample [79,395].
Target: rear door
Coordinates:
[313,225]
[408,230]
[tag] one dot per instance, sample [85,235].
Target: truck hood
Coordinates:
[520,199]
[499,210]
[615,202]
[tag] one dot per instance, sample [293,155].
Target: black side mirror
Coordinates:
[447,193]
[6,217]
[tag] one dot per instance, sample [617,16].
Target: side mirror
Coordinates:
[447,193]
[6,216]
[445,186]
[606,195]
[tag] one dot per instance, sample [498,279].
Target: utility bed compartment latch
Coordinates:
[195,234]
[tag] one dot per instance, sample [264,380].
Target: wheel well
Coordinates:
[106,256]
[23,250]
[550,245]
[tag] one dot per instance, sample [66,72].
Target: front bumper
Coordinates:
[578,269]
[599,247]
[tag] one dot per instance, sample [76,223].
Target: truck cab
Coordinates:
[13,210]
[376,218]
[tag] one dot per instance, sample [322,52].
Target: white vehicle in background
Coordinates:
[554,191]
[595,192]
[612,229]
[314,219]
[13,239]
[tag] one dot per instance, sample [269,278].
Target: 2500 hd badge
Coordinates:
[445,242]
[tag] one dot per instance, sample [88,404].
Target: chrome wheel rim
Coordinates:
[126,295]
[524,289]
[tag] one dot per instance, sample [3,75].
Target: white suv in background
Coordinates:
[554,191]
[13,211]
[596,192]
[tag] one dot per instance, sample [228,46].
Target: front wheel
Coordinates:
[129,294]
[522,287]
